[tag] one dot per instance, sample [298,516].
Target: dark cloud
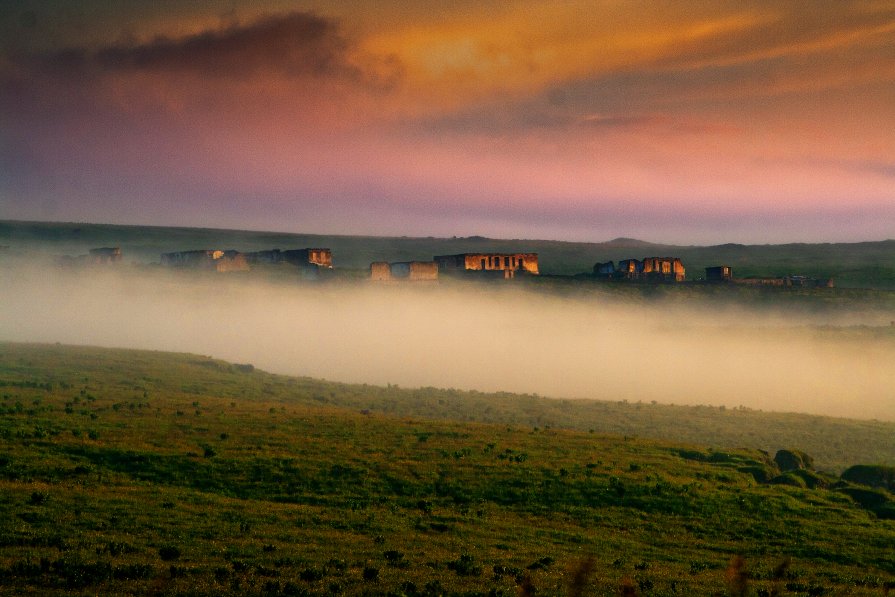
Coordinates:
[296,44]
[293,44]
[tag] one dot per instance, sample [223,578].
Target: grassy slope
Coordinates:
[870,265]
[151,472]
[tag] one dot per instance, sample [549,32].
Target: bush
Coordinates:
[168,553]
[812,480]
[867,498]
[761,474]
[465,566]
[790,460]
[872,475]
[393,555]
[311,574]
[370,573]
[886,511]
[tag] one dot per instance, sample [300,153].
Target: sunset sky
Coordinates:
[688,122]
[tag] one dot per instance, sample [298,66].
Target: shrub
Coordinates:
[311,574]
[886,511]
[866,497]
[465,566]
[168,553]
[789,460]
[812,480]
[761,474]
[872,475]
[393,555]
[370,573]
[541,563]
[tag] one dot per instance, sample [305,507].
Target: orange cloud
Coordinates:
[525,51]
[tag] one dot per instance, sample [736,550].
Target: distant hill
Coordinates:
[630,243]
[854,265]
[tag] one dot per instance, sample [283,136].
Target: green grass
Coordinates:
[147,472]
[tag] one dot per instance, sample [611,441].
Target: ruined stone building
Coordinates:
[720,273]
[505,265]
[724,273]
[604,269]
[212,259]
[663,268]
[309,257]
[404,271]
[309,263]
[100,256]
[648,269]
[297,257]
[104,255]
[630,269]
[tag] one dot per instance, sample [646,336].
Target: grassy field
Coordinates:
[147,472]
[852,265]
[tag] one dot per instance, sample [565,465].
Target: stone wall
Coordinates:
[666,269]
[404,271]
[502,262]
[721,273]
[305,257]
[216,259]
[663,268]
[380,272]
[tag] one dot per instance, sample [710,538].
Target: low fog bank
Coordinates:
[486,337]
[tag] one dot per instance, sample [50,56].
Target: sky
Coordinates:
[687,122]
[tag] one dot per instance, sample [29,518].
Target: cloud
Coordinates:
[294,44]
[583,106]
[880,168]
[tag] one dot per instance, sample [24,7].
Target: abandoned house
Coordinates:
[505,265]
[629,269]
[665,269]
[309,262]
[299,257]
[309,257]
[404,271]
[720,273]
[604,269]
[100,256]
[214,259]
